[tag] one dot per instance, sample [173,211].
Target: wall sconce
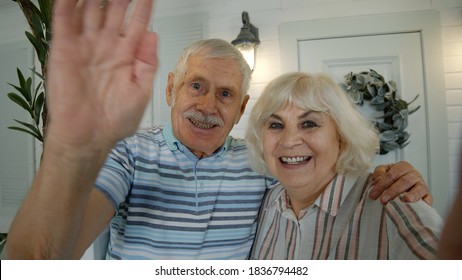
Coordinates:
[247,41]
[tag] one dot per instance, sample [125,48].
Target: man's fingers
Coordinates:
[146,61]
[393,180]
[115,15]
[92,17]
[398,169]
[428,198]
[63,18]
[147,49]
[419,191]
[381,181]
[411,183]
[139,20]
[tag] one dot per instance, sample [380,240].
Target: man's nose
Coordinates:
[208,103]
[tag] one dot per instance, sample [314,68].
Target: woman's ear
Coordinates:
[341,144]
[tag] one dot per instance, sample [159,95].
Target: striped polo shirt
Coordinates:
[343,223]
[171,205]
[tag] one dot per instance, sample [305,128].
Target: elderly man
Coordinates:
[184,191]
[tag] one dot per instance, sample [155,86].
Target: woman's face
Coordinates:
[301,148]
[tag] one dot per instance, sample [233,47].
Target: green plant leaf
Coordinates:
[39,86]
[383,126]
[392,85]
[20,101]
[32,128]
[389,146]
[378,100]
[45,8]
[20,90]
[372,89]
[37,73]
[404,144]
[37,24]
[404,113]
[356,96]
[39,137]
[24,85]
[38,107]
[393,112]
[29,98]
[381,107]
[414,99]
[388,135]
[414,110]
[28,88]
[403,136]
[38,46]
[22,80]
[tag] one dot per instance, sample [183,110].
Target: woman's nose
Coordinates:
[291,137]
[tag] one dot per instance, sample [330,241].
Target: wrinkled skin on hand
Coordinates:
[392,180]
[100,72]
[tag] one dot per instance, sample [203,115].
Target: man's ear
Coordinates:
[243,105]
[169,89]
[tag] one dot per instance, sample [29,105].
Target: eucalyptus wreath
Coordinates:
[369,87]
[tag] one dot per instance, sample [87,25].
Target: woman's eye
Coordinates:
[275,126]
[309,124]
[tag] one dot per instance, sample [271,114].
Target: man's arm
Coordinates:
[100,74]
[450,247]
[392,180]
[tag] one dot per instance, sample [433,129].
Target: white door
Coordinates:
[403,47]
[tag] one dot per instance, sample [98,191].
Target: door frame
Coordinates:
[427,23]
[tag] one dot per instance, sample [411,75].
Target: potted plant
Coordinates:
[392,120]
[29,97]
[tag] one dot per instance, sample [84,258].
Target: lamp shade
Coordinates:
[247,41]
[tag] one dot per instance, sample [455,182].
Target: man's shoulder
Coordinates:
[150,131]
[147,134]
[236,144]
[143,138]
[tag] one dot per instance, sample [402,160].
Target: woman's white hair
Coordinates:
[315,92]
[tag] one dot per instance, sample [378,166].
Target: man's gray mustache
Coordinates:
[203,118]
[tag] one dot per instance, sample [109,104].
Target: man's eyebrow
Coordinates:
[198,77]
[195,77]
[229,87]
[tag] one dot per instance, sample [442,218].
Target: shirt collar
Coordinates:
[174,144]
[330,201]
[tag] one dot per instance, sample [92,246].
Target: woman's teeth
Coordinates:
[293,160]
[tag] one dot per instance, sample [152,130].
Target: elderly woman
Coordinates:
[304,131]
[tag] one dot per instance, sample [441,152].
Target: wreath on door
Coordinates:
[370,88]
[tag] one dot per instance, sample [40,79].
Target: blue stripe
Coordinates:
[173,206]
